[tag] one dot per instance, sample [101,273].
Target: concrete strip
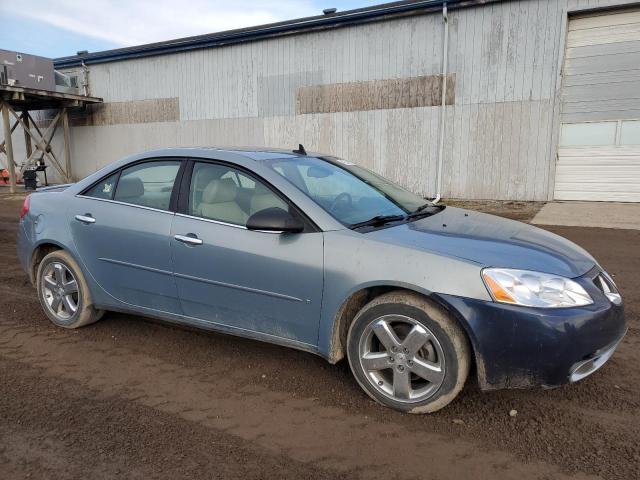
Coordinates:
[590,214]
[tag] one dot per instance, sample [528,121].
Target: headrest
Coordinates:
[206,174]
[130,187]
[219,191]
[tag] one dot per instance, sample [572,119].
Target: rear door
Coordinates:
[121,229]
[226,274]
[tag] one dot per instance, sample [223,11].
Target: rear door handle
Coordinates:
[85,219]
[190,239]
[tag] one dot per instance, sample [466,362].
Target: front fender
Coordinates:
[355,262]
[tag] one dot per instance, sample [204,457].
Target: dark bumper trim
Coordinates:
[520,347]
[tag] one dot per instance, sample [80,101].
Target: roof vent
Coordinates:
[82,52]
[329,11]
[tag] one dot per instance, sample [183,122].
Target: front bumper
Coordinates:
[523,347]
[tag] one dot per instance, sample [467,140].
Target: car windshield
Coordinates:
[350,193]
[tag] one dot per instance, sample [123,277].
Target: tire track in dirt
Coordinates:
[62,430]
[295,427]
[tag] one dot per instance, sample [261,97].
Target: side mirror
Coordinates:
[275,219]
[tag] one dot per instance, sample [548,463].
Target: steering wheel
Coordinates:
[344,196]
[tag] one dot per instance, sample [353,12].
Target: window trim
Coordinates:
[144,207]
[217,222]
[174,194]
[185,185]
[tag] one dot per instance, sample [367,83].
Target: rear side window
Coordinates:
[104,189]
[148,184]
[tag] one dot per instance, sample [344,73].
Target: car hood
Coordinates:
[491,242]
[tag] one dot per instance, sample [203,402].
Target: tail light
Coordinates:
[25,206]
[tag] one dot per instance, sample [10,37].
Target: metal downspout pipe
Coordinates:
[443,113]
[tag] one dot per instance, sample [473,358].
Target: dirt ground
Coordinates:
[133,398]
[521,211]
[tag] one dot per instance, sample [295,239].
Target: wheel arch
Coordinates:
[41,250]
[357,299]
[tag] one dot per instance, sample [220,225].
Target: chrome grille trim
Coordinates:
[607,286]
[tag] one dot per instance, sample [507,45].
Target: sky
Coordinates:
[57,28]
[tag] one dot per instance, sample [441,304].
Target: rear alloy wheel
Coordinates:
[60,290]
[63,292]
[407,353]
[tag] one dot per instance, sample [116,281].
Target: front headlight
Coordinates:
[534,289]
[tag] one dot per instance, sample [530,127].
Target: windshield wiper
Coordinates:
[378,220]
[422,207]
[421,210]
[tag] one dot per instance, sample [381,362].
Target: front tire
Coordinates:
[407,353]
[64,293]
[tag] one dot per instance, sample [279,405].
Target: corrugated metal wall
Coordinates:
[502,132]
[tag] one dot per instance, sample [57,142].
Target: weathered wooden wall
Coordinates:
[129,112]
[412,92]
[502,124]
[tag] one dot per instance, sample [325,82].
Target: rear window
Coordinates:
[103,189]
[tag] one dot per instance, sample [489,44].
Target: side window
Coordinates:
[225,194]
[104,189]
[148,184]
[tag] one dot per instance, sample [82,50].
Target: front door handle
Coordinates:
[190,239]
[85,218]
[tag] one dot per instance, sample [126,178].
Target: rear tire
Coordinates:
[407,353]
[63,292]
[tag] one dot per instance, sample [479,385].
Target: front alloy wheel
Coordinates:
[402,359]
[408,353]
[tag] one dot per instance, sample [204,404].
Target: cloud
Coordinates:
[137,22]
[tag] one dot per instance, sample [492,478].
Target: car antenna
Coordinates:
[300,150]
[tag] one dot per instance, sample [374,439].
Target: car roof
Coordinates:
[253,153]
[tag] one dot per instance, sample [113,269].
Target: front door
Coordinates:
[253,281]
[121,228]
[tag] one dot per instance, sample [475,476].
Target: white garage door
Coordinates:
[599,152]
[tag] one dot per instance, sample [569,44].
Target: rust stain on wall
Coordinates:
[136,111]
[423,91]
